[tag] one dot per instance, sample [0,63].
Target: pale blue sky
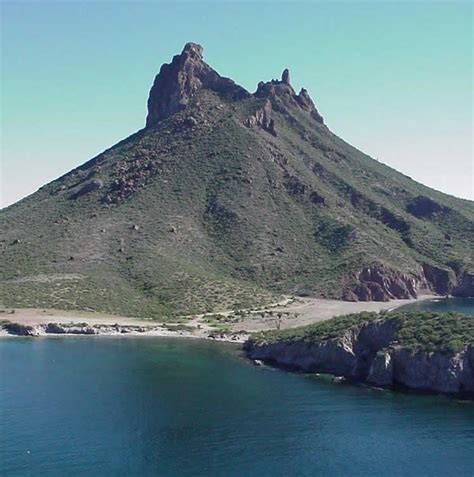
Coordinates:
[393,79]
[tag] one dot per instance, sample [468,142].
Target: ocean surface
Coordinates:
[105,406]
[442,305]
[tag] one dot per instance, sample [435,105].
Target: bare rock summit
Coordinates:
[179,80]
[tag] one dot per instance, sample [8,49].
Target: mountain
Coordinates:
[228,199]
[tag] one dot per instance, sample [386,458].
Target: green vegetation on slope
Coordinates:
[201,213]
[415,330]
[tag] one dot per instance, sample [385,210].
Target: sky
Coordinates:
[393,79]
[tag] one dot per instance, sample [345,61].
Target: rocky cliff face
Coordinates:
[464,286]
[444,372]
[283,91]
[380,283]
[369,354]
[263,118]
[179,80]
[441,280]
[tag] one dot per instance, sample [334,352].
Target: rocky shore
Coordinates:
[98,329]
[18,329]
[371,354]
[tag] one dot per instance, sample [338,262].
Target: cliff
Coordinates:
[384,351]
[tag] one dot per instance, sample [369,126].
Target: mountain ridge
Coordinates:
[227,199]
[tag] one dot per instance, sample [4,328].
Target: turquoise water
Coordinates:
[147,406]
[461,305]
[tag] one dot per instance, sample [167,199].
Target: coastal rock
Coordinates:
[368,355]
[380,283]
[55,328]
[381,370]
[441,280]
[70,328]
[18,329]
[441,371]
[465,286]
[178,81]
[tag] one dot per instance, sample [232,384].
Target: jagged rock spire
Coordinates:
[285,92]
[179,80]
[285,76]
[193,49]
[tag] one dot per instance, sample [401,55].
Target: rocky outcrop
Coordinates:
[284,91]
[262,118]
[306,103]
[178,81]
[18,329]
[465,285]
[443,372]
[59,328]
[370,354]
[380,283]
[423,207]
[440,280]
[349,355]
[87,188]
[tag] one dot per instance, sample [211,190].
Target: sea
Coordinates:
[106,406]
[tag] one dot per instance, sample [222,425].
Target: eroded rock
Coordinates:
[285,92]
[18,329]
[178,81]
[465,286]
[368,354]
[262,118]
[87,188]
[380,283]
[441,280]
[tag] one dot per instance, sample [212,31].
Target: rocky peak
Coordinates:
[306,103]
[193,49]
[284,91]
[178,81]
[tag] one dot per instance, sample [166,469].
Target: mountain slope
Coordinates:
[228,199]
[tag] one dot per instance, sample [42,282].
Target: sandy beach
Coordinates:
[304,311]
[232,326]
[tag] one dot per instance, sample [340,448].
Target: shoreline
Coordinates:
[30,322]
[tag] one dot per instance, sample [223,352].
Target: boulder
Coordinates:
[20,330]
